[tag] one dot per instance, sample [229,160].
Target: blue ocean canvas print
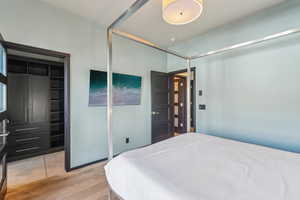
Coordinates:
[126,89]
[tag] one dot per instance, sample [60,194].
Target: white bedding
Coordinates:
[202,167]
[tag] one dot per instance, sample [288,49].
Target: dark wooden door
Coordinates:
[28,109]
[38,106]
[160,90]
[28,98]
[17,93]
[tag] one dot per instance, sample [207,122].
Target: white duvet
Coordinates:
[202,167]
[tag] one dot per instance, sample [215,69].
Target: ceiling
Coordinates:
[148,23]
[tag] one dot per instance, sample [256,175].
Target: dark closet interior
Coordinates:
[179,104]
[178,100]
[35,107]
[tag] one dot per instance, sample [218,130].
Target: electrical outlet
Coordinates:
[202,107]
[127,140]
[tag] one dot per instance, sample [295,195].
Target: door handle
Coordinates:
[5,134]
[155,113]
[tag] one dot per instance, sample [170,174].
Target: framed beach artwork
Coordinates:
[126,89]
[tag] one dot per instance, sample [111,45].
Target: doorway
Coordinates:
[38,96]
[168,106]
[178,101]
[35,106]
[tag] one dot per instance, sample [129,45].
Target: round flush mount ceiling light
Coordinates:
[179,12]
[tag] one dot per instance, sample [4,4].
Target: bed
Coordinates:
[202,167]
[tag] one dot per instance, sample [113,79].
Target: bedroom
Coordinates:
[249,94]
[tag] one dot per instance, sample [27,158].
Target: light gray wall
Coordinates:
[37,24]
[252,95]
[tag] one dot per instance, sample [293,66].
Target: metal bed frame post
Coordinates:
[109,95]
[188,96]
[110,31]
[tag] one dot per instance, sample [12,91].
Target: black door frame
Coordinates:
[193,94]
[3,150]
[66,57]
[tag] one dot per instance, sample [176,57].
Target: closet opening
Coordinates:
[38,91]
[178,101]
[168,104]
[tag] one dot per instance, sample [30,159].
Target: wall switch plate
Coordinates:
[127,140]
[202,107]
[200,93]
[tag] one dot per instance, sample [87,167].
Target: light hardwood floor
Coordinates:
[36,168]
[88,183]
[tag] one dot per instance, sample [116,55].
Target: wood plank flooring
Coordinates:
[84,184]
[35,169]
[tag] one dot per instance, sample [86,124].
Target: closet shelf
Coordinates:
[57,136]
[57,123]
[56,99]
[57,77]
[57,112]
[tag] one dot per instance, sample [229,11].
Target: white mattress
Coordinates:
[202,167]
